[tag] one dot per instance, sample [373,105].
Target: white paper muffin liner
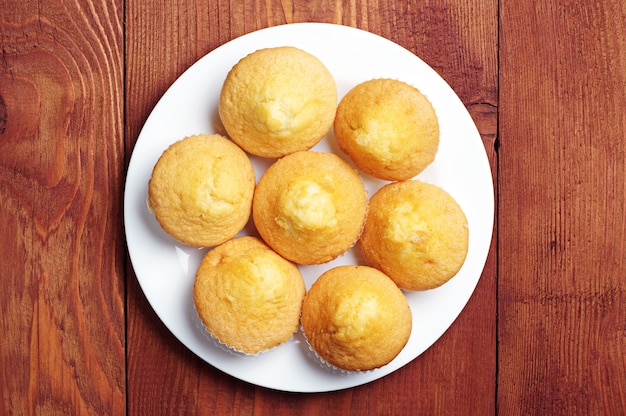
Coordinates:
[225,347]
[321,362]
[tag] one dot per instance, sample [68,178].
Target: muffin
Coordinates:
[276,101]
[247,296]
[416,233]
[388,128]
[201,190]
[310,207]
[355,318]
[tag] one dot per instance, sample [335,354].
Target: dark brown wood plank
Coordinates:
[457,375]
[61,173]
[562,303]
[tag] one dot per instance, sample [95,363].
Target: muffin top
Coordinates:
[276,101]
[388,128]
[356,318]
[247,296]
[201,190]
[416,233]
[310,207]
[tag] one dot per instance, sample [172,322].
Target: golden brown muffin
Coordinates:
[416,233]
[276,101]
[310,207]
[356,318]
[201,190]
[388,128]
[247,296]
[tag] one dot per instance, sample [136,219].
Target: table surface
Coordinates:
[543,333]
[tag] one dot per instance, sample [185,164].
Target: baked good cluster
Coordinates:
[310,207]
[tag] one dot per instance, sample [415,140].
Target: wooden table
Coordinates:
[543,334]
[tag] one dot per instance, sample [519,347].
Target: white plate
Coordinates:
[165,269]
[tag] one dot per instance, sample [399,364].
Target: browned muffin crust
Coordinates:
[201,190]
[388,128]
[276,101]
[310,207]
[247,296]
[356,318]
[416,233]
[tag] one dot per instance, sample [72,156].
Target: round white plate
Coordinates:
[166,269]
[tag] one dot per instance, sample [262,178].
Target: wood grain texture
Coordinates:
[61,170]
[544,332]
[459,40]
[562,302]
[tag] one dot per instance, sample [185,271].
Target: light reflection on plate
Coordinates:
[165,269]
